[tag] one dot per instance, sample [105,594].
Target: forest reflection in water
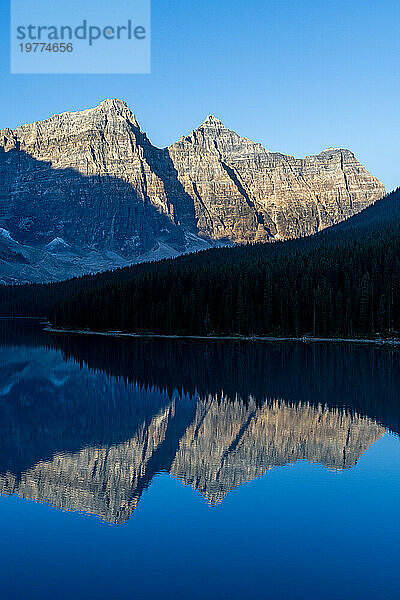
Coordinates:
[87,422]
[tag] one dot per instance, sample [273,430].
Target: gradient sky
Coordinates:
[298,76]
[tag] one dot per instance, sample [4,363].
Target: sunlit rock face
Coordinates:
[85,191]
[84,177]
[246,193]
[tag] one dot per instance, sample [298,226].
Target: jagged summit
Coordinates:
[109,107]
[218,134]
[332,149]
[213,122]
[116,108]
[113,103]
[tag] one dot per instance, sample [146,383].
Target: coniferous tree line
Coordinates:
[262,372]
[343,282]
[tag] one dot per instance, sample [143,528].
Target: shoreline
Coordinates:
[237,338]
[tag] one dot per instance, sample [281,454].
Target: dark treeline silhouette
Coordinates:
[363,380]
[342,282]
[359,379]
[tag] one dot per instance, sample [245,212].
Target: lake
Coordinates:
[143,469]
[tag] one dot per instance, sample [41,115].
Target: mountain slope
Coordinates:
[58,260]
[94,180]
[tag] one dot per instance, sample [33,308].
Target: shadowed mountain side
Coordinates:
[182,206]
[21,264]
[40,203]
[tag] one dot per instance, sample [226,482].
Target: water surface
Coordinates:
[188,469]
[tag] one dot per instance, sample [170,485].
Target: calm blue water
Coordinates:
[185,470]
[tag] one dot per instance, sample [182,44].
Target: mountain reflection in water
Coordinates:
[87,422]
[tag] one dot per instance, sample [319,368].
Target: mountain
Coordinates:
[244,193]
[20,263]
[87,191]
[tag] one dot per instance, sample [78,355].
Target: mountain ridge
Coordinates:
[94,179]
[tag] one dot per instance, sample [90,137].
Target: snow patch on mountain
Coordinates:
[57,244]
[59,260]
[4,233]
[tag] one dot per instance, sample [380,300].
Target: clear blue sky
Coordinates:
[298,76]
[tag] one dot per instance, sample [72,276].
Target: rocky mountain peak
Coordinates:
[107,112]
[212,122]
[93,179]
[214,136]
[114,104]
[117,108]
[111,110]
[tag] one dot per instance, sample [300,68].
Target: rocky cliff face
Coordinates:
[243,192]
[84,177]
[93,181]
